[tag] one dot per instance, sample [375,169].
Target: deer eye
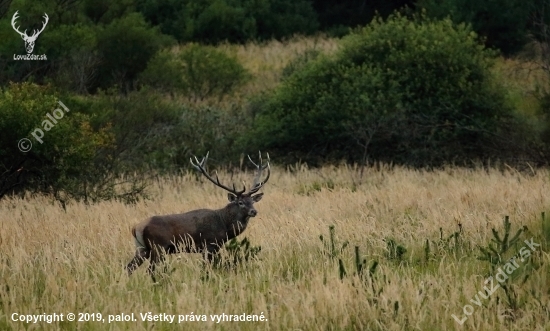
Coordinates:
[241,204]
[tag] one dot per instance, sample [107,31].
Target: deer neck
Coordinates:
[234,220]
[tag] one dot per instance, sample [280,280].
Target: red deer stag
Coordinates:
[201,230]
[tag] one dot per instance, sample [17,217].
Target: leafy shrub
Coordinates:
[140,122]
[210,72]
[237,253]
[63,163]
[204,129]
[166,147]
[155,134]
[164,73]
[410,91]
[76,64]
[125,46]
[198,71]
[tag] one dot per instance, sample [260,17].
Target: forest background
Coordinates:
[422,84]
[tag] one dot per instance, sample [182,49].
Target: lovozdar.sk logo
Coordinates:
[29,40]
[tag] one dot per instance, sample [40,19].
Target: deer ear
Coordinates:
[231,197]
[257,197]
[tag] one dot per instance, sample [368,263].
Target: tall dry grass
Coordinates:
[264,62]
[56,261]
[525,81]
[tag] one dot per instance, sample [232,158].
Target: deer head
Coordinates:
[241,199]
[29,40]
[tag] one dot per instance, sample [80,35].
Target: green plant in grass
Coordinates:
[330,246]
[395,251]
[452,243]
[494,253]
[238,253]
[361,264]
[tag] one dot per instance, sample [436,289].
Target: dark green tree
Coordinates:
[214,21]
[504,24]
[125,46]
[339,16]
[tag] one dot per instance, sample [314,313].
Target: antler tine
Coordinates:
[260,158]
[36,33]
[43,25]
[200,167]
[13,22]
[257,184]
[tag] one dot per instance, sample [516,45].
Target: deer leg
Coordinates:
[211,252]
[156,257]
[141,255]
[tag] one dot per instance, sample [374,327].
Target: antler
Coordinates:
[13,19]
[36,34]
[200,167]
[257,184]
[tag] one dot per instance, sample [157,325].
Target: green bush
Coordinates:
[199,72]
[195,132]
[153,134]
[61,157]
[164,73]
[210,72]
[139,121]
[417,92]
[74,48]
[125,46]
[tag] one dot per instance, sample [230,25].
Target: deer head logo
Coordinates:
[29,40]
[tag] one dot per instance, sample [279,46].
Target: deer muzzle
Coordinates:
[252,212]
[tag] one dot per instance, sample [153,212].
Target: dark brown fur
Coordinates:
[200,231]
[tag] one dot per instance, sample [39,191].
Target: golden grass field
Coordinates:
[56,261]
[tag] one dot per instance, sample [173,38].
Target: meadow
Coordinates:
[418,235]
